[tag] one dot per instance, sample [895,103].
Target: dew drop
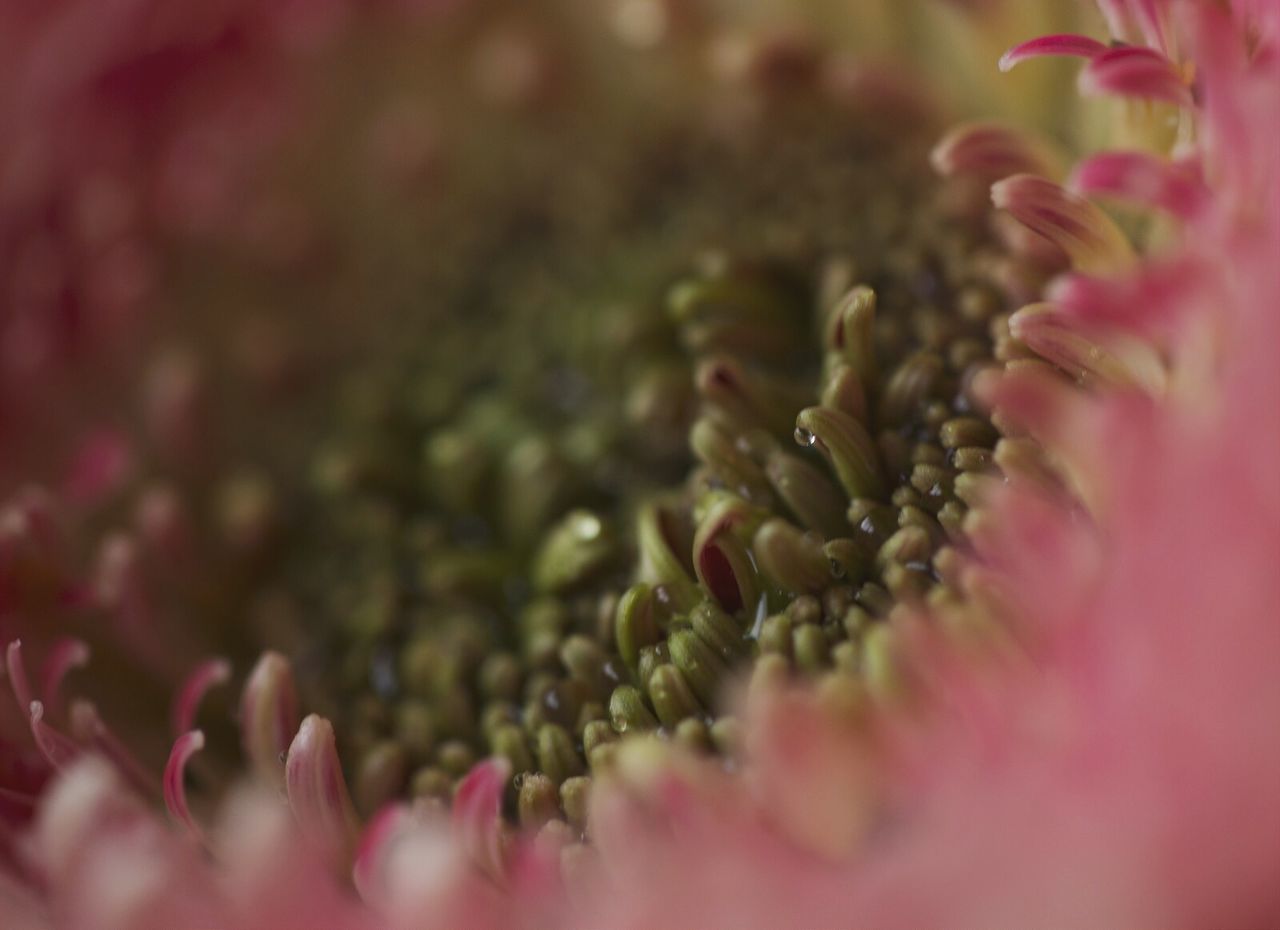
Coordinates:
[805,437]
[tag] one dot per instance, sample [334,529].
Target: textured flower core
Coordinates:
[723,422]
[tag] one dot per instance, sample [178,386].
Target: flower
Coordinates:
[1001,617]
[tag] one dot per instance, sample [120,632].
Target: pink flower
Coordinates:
[1086,738]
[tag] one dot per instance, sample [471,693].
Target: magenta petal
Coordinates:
[1136,72]
[1063,45]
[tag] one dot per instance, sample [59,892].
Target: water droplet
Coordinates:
[587,527]
[805,437]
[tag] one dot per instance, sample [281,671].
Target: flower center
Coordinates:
[651,439]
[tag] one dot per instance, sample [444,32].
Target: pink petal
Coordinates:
[269,716]
[206,675]
[317,791]
[1067,45]
[477,813]
[1080,229]
[1044,330]
[1142,178]
[1136,72]
[175,789]
[991,151]
[1146,303]
[383,830]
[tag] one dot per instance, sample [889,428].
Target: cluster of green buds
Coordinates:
[747,466]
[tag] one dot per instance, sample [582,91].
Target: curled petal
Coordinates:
[741,397]
[1144,179]
[991,151]
[719,451]
[477,820]
[1068,45]
[850,331]
[1092,240]
[206,675]
[847,446]
[1136,72]
[317,791]
[791,559]
[67,653]
[808,493]
[268,716]
[721,559]
[658,533]
[175,789]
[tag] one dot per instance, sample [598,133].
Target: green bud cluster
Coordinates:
[673,470]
